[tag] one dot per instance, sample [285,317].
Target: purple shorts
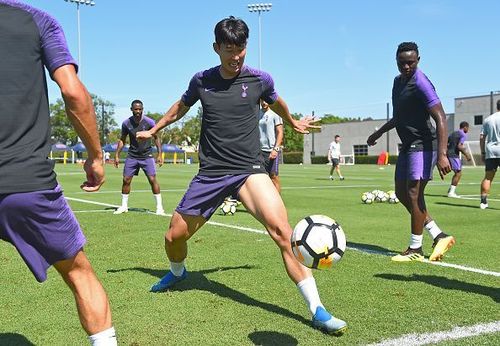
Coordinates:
[456,164]
[42,227]
[132,166]
[417,165]
[205,193]
[271,166]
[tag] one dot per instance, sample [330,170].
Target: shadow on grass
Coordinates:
[448,284]
[196,280]
[136,210]
[14,339]
[375,249]
[463,205]
[268,338]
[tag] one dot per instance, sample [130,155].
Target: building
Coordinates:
[473,109]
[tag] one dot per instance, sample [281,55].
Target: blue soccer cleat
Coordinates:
[168,281]
[325,322]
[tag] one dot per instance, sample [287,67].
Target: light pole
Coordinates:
[78,3]
[261,7]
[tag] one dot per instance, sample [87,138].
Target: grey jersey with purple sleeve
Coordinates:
[30,40]
[142,149]
[229,137]
[411,102]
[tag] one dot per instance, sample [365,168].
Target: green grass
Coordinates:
[237,292]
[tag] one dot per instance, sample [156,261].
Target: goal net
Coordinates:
[475,151]
[347,159]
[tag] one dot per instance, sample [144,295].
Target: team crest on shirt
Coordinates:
[244,92]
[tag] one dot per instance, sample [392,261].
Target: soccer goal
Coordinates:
[346,160]
[474,149]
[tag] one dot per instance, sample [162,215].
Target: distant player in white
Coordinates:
[334,157]
[490,152]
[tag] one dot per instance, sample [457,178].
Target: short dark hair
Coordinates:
[231,30]
[337,136]
[407,47]
[134,102]
[464,124]
[498,105]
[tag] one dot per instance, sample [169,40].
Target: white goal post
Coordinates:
[347,160]
[472,148]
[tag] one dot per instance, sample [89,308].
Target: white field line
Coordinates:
[434,338]
[92,211]
[360,249]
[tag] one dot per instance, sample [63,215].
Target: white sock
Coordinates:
[309,291]
[159,204]
[105,338]
[416,241]
[124,200]
[177,268]
[433,229]
[452,189]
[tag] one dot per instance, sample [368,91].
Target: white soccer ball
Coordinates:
[318,241]
[228,208]
[367,197]
[381,196]
[393,199]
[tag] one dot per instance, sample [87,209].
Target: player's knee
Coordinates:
[281,235]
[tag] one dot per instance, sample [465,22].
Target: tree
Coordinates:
[293,141]
[62,129]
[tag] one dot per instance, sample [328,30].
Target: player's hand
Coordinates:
[159,160]
[94,170]
[143,135]
[117,161]
[443,165]
[372,140]
[469,158]
[273,154]
[303,124]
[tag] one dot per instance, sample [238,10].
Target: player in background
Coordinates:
[34,215]
[231,162]
[489,142]
[139,156]
[271,140]
[414,99]
[456,146]
[334,157]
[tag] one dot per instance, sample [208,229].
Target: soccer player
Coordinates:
[139,156]
[456,146]
[489,142]
[414,99]
[334,157]
[231,161]
[271,140]
[34,215]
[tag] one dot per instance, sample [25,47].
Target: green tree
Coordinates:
[104,111]
[293,141]
[62,130]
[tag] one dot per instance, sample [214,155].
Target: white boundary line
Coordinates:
[434,338]
[360,249]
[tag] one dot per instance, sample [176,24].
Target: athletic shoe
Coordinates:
[409,255]
[325,322]
[331,178]
[121,210]
[483,205]
[453,195]
[341,178]
[168,281]
[161,212]
[442,244]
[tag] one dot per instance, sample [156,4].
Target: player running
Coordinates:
[139,156]
[231,162]
[413,99]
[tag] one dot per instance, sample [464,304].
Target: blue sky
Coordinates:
[329,56]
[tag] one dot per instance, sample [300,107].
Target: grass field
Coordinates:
[237,292]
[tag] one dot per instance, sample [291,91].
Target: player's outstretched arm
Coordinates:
[372,140]
[81,113]
[443,164]
[176,112]
[302,125]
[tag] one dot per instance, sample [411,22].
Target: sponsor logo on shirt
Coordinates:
[256,166]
